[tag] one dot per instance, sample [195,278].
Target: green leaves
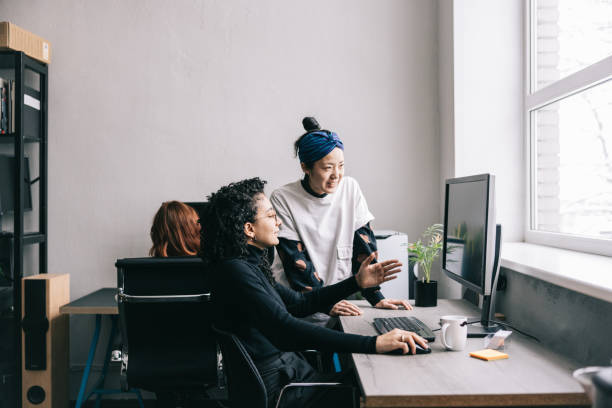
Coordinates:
[427,250]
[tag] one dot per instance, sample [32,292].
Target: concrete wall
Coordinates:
[154,100]
[570,323]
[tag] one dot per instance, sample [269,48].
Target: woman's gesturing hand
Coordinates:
[373,275]
[345,308]
[399,339]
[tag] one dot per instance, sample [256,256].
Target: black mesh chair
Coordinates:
[245,386]
[164,315]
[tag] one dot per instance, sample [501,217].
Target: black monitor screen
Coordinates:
[466,228]
[7,184]
[199,207]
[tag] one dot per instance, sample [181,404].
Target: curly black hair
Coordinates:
[222,235]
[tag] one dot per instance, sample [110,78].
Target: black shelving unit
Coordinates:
[31,81]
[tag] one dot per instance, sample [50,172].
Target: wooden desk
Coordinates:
[100,302]
[532,375]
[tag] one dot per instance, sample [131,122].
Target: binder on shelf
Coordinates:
[31,109]
[12,106]
[31,102]
[31,116]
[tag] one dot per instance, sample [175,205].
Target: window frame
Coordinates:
[588,77]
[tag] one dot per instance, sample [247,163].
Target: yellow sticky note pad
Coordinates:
[488,354]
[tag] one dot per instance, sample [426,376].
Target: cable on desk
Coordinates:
[501,324]
[515,329]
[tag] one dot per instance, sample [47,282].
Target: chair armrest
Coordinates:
[201,297]
[309,385]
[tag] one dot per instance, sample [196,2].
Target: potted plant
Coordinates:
[424,253]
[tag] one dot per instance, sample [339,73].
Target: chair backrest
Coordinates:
[245,386]
[165,320]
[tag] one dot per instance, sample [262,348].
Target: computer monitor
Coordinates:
[199,207]
[472,241]
[7,184]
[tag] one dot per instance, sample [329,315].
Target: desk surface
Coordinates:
[102,301]
[532,375]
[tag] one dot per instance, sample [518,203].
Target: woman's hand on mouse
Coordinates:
[399,339]
[345,308]
[373,275]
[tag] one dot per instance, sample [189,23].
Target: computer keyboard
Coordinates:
[409,323]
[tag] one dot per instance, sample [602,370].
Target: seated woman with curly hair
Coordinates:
[239,226]
[175,231]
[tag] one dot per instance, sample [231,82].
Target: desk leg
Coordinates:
[137,392]
[90,357]
[98,388]
[107,355]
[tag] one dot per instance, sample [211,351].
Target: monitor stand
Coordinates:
[477,329]
[483,326]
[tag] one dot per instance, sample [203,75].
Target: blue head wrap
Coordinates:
[316,145]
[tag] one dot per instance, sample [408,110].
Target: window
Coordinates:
[569,124]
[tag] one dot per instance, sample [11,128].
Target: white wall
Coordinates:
[481,95]
[156,100]
[488,100]
[446,89]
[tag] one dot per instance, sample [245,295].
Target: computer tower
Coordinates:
[44,362]
[394,245]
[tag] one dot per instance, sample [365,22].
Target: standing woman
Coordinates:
[326,230]
[238,227]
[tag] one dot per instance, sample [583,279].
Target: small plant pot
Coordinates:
[426,294]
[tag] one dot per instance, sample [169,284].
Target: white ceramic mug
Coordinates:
[454,332]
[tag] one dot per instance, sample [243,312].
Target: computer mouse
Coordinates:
[419,350]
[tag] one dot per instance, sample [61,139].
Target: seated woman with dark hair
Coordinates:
[175,231]
[238,228]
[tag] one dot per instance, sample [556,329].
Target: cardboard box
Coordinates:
[18,39]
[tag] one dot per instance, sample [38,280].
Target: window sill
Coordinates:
[585,273]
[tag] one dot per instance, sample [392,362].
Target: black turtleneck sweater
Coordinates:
[263,314]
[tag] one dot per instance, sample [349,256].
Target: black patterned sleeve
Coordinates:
[364,243]
[299,269]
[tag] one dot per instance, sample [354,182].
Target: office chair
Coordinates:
[245,386]
[164,316]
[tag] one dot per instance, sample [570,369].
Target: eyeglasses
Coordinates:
[270,217]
